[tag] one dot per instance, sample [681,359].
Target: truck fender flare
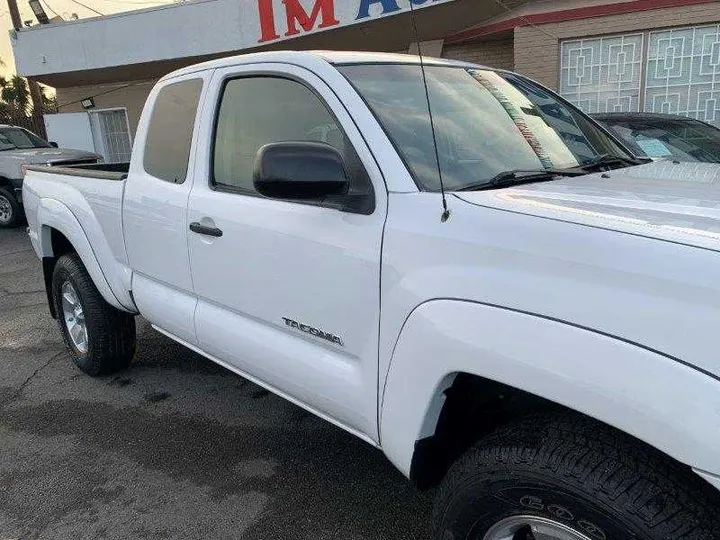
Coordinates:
[52,214]
[645,393]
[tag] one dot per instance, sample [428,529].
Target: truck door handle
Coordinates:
[202,229]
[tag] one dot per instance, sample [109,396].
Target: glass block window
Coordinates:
[683,72]
[677,73]
[602,74]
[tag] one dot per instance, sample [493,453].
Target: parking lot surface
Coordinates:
[175,447]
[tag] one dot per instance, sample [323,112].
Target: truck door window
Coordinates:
[169,136]
[255,111]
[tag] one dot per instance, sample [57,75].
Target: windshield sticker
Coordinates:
[654,147]
[516,115]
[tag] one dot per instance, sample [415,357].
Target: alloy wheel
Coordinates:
[74,317]
[532,528]
[6,210]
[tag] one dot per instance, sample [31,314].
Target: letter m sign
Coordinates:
[322,11]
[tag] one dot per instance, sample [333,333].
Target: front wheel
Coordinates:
[100,338]
[567,477]
[10,211]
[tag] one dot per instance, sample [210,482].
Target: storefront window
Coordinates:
[677,72]
[683,73]
[602,74]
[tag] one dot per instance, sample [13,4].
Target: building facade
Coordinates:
[603,55]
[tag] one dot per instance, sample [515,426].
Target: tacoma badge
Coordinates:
[314,331]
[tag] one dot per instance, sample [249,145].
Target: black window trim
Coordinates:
[170,82]
[266,74]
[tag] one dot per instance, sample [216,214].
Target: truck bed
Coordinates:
[85,200]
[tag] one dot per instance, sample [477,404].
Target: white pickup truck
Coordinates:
[546,352]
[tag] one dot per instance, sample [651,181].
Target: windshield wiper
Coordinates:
[607,160]
[520,176]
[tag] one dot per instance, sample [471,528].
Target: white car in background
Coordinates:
[20,148]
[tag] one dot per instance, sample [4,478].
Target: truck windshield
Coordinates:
[19,139]
[486,123]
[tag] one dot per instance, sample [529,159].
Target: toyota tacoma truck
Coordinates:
[479,281]
[18,149]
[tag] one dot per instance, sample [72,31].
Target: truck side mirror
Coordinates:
[299,170]
[53,144]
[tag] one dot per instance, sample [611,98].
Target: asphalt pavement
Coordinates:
[175,447]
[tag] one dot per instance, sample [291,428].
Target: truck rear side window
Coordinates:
[169,136]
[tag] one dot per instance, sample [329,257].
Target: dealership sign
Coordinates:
[280,19]
[195,29]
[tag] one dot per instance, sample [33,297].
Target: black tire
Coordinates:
[110,332]
[580,474]
[8,202]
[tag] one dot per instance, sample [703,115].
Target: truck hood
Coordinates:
[46,155]
[677,202]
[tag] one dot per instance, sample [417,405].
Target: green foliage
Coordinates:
[16,94]
[5,112]
[49,103]
[16,101]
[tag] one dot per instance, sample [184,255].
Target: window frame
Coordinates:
[196,120]
[261,74]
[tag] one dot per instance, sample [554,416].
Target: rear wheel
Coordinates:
[10,211]
[568,477]
[100,338]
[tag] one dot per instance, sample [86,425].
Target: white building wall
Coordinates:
[196,28]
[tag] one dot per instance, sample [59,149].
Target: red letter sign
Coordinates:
[267,21]
[297,14]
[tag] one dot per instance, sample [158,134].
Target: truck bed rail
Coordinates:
[99,171]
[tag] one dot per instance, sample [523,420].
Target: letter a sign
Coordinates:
[282,19]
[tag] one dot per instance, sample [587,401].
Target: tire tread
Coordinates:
[669,501]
